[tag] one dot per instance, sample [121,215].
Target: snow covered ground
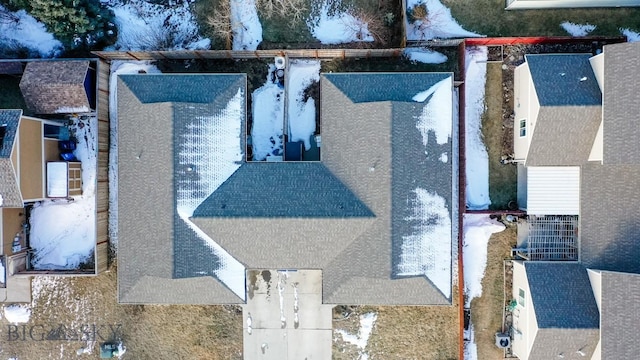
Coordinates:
[424,55]
[17,314]
[631,35]
[247,30]
[338,27]
[268,119]
[301,113]
[577,29]
[143,25]
[25,31]
[63,233]
[439,24]
[360,340]
[477,170]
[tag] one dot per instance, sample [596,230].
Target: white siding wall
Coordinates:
[549,4]
[524,318]
[525,108]
[553,190]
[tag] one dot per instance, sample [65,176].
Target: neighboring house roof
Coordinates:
[620,299]
[52,87]
[335,215]
[565,310]
[609,230]
[9,187]
[564,79]
[621,104]
[570,109]
[10,67]
[562,296]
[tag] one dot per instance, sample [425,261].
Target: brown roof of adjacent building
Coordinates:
[51,87]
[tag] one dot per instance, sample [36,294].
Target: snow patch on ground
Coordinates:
[247,30]
[3,273]
[17,314]
[268,119]
[72,110]
[118,67]
[477,164]
[424,55]
[470,346]
[428,251]
[437,114]
[63,233]
[632,36]
[577,30]
[337,27]
[367,322]
[212,145]
[477,231]
[146,26]
[23,30]
[301,114]
[439,23]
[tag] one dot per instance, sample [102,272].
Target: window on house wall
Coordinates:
[523,128]
[520,297]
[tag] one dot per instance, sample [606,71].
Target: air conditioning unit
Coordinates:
[503,341]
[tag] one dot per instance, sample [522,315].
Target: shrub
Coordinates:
[417,13]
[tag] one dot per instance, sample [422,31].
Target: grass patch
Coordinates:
[148,332]
[497,138]
[486,310]
[488,17]
[402,332]
[10,95]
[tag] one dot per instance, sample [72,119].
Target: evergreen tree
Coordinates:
[77,23]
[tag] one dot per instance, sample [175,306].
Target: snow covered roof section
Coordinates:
[51,87]
[176,146]
[384,136]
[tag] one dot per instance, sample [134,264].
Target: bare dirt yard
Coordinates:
[70,314]
[486,311]
[401,332]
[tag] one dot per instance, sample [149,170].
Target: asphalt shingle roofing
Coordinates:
[562,295]
[288,189]
[340,215]
[9,119]
[564,79]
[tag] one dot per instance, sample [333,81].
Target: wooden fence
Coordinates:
[102,189]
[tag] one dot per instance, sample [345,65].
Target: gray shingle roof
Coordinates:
[339,219]
[563,135]
[562,295]
[621,104]
[374,87]
[183,88]
[287,189]
[50,85]
[9,187]
[549,343]
[154,243]
[10,119]
[619,304]
[564,79]
[373,146]
[609,230]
